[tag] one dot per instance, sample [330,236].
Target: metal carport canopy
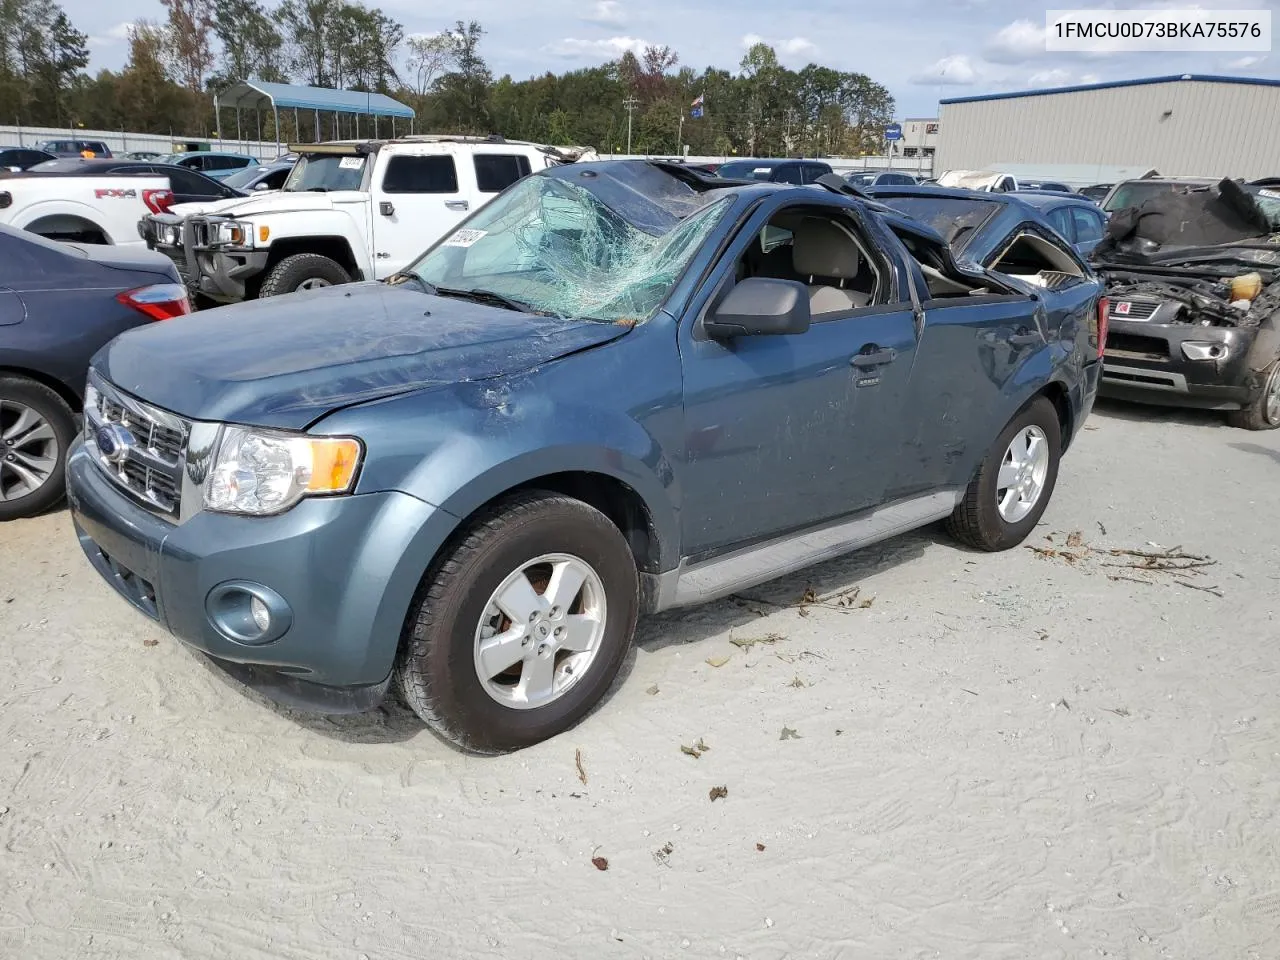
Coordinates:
[258,93]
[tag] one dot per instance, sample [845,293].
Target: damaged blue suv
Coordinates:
[617,388]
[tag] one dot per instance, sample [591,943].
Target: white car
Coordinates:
[82,209]
[350,210]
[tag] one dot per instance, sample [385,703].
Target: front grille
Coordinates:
[1136,347]
[179,258]
[149,463]
[199,232]
[1138,309]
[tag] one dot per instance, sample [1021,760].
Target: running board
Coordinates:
[692,584]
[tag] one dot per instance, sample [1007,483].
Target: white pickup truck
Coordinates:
[350,210]
[78,209]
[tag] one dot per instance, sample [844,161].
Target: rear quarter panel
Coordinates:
[71,312]
[113,204]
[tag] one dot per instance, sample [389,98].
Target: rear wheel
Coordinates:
[303,271]
[1011,490]
[1263,413]
[36,430]
[521,627]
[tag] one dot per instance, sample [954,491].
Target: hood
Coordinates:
[206,206]
[277,201]
[286,361]
[1192,216]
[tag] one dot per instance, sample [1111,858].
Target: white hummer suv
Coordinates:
[350,210]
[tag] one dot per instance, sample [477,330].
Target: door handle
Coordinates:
[386,208]
[875,359]
[457,204]
[1024,339]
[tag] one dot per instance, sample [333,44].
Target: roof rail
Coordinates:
[452,138]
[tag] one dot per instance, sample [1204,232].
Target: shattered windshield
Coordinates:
[957,220]
[325,172]
[556,248]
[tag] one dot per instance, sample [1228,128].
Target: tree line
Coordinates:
[196,48]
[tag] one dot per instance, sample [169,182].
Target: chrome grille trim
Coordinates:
[1139,309]
[152,472]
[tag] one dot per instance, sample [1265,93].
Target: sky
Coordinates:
[922,50]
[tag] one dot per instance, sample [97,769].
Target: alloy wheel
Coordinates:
[540,631]
[28,450]
[1022,476]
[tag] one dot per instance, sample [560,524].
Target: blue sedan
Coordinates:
[59,303]
[973,221]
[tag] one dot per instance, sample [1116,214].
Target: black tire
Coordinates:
[50,407]
[436,671]
[976,521]
[1256,416]
[292,272]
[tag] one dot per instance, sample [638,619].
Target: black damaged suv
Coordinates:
[1193,277]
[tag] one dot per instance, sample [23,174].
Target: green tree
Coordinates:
[463,92]
[251,41]
[190,33]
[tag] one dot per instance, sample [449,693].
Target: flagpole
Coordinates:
[680,137]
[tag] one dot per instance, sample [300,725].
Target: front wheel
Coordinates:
[518,631]
[1263,411]
[302,271]
[1011,490]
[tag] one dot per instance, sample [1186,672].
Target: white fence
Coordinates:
[122,142]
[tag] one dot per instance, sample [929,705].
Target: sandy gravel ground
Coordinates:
[993,757]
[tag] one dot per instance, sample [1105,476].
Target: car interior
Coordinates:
[820,251]
[1034,259]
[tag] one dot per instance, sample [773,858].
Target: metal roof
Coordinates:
[256,94]
[1141,82]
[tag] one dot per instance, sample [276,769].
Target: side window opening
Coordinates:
[1034,259]
[823,252]
[1088,224]
[497,171]
[940,285]
[424,174]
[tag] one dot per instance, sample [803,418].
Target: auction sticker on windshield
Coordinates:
[465,238]
[351,163]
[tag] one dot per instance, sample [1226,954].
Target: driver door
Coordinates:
[785,432]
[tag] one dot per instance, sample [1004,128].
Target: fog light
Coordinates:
[1199,350]
[261,615]
[248,613]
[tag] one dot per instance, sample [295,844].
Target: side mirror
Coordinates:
[261,186]
[760,306]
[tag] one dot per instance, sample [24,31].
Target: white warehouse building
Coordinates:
[1186,125]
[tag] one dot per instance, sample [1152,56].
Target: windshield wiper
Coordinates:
[490,297]
[401,277]
[317,190]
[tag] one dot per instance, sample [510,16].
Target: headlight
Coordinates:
[260,472]
[239,234]
[172,235]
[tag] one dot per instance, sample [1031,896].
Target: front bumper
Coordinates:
[1146,362]
[218,272]
[347,568]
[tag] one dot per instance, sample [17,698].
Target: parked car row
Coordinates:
[348,210]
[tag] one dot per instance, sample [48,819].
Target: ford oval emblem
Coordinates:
[114,442]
